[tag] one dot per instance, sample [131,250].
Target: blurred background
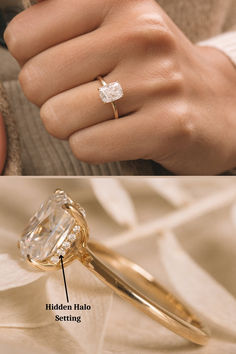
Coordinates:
[8,9]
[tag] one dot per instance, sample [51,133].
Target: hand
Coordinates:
[179,100]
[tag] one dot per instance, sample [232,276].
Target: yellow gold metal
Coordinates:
[129,281]
[114,106]
[138,287]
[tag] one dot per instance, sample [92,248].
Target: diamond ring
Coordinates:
[59,228]
[110,93]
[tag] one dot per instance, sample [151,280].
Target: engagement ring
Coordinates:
[110,93]
[60,228]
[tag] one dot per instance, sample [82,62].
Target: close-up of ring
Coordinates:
[60,228]
[110,93]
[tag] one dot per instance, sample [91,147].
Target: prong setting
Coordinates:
[68,242]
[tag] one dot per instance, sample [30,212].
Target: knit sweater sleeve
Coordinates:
[225,42]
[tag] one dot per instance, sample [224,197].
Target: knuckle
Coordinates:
[180,131]
[148,31]
[165,78]
[82,151]
[174,80]
[13,42]
[29,81]
[166,39]
[177,81]
[51,120]
[183,123]
[74,145]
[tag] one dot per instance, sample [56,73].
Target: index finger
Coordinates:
[51,22]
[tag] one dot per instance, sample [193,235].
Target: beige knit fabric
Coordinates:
[13,163]
[43,155]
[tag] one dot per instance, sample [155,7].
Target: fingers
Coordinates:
[81,107]
[51,22]
[146,134]
[114,140]
[68,65]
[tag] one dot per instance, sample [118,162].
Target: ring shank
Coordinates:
[135,285]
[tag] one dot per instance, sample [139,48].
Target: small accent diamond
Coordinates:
[66,245]
[61,252]
[72,237]
[77,228]
[54,259]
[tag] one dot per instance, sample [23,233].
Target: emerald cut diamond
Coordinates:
[48,229]
[111,92]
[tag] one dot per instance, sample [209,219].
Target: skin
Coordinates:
[179,103]
[3,144]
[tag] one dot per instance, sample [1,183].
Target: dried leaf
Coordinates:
[171,190]
[115,200]
[196,286]
[13,275]
[24,307]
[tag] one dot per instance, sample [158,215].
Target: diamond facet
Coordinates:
[111,92]
[47,229]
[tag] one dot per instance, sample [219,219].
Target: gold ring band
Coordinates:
[150,297]
[125,278]
[109,93]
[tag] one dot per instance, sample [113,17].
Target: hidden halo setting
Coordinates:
[57,229]
[111,92]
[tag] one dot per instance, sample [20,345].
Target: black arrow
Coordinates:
[63,272]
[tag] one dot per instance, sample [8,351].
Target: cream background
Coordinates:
[181,230]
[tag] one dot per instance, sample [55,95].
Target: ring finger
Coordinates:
[81,107]
[69,65]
